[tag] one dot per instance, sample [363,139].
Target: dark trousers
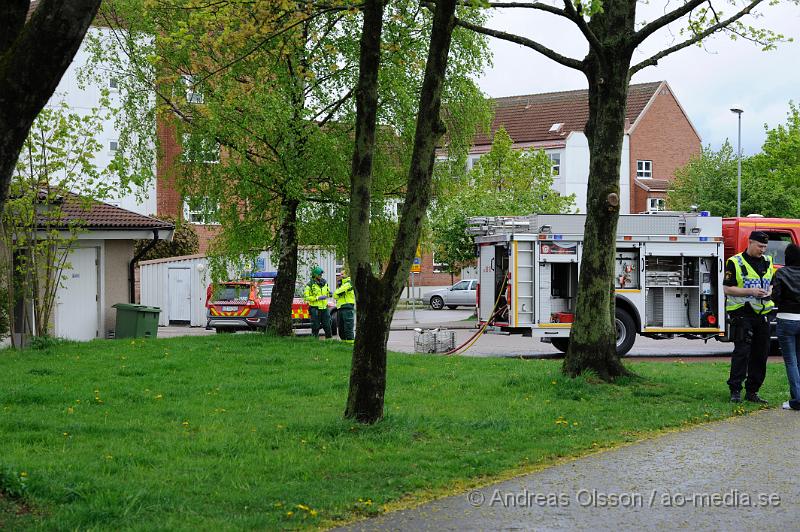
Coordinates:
[347,321]
[750,334]
[320,318]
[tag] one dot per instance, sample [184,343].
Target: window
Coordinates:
[199,150]
[777,245]
[644,169]
[193,94]
[200,211]
[471,160]
[461,285]
[113,84]
[439,267]
[555,161]
[393,209]
[113,146]
[656,204]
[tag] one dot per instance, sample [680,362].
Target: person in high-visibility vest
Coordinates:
[346,308]
[316,294]
[748,286]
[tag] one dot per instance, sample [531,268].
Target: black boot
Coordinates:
[736,396]
[755,398]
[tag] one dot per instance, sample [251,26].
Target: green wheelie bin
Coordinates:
[136,321]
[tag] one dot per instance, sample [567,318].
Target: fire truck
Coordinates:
[668,275]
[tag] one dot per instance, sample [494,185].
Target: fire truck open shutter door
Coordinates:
[487,293]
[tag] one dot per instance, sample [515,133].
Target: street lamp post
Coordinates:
[738,110]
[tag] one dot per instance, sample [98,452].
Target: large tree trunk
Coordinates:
[33,57]
[592,343]
[280,308]
[376,298]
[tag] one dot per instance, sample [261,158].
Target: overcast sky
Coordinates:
[707,81]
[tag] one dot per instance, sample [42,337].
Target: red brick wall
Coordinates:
[664,136]
[169,151]
[640,197]
[427,277]
[170,202]
[206,234]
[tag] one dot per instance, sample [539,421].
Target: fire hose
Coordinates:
[474,338]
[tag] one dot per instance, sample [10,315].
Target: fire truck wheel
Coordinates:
[562,344]
[626,332]
[437,303]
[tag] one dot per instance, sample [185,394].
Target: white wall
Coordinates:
[575,171]
[154,287]
[82,101]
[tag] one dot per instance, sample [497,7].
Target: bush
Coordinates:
[184,242]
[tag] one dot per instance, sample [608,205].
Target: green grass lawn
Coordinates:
[243,431]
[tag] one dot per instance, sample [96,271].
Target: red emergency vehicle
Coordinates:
[244,304]
[781,231]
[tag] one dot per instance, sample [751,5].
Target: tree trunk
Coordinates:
[592,344]
[33,58]
[280,308]
[376,298]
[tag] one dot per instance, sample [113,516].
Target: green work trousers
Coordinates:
[320,319]
[346,316]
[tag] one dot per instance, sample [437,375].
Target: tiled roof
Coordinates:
[93,214]
[530,118]
[654,185]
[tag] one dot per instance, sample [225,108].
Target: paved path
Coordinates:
[738,474]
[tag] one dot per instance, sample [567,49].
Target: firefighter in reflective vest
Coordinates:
[316,294]
[748,286]
[345,303]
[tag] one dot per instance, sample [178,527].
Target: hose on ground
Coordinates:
[474,338]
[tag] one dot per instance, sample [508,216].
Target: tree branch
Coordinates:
[332,108]
[516,39]
[653,60]
[579,21]
[12,20]
[525,5]
[664,20]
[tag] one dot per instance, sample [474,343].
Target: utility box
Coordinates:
[136,321]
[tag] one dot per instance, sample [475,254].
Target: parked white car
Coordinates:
[463,293]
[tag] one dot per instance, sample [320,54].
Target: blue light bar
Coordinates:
[263,275]
[705,213]
[703,239]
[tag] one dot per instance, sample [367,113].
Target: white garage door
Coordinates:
[77,303]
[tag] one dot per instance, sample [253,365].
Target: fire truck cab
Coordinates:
[668,279]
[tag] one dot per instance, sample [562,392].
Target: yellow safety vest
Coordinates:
[345,294]
[746,277]
[313,291]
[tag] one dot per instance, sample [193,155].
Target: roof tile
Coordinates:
[93,214]
[529,118]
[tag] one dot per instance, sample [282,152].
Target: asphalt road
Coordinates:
[514,346]
[401,338]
